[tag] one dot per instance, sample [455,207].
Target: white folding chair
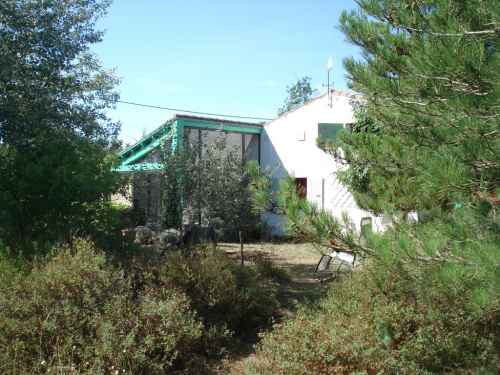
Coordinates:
[338,259]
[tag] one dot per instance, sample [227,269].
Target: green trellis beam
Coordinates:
[174,130]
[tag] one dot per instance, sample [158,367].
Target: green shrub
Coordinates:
[76,311]
[334,339]
[427,303]
[103,224]
[159,333]
[225,295]
[149,315]
[356,330]
[11,267]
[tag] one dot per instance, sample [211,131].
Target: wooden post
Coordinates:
[240,234]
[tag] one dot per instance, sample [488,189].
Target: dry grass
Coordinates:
[282,254]
[299,260]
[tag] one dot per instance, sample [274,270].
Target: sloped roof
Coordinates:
[221,120]
[154,139]
[349,94]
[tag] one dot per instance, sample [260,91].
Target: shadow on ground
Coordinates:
[304,288]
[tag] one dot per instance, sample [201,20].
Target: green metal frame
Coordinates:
[172,130]
[146,144]
[214,125]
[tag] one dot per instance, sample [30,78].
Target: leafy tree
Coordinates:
[298,94]
[54,135]
[208,184]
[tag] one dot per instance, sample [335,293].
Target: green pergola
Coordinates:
[132,159]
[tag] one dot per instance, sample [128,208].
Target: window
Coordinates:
[252,147]
[301,186]
[366,226]
[329,132]
[301,135]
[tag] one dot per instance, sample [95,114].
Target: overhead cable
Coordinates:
[190,111]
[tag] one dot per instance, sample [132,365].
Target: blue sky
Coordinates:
[234,57]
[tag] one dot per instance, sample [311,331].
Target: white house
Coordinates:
[289,146]
[284,146]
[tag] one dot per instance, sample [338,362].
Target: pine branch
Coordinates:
[466,87]
[496,30]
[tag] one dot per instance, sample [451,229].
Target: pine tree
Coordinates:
[430,84]
[426,139]
[427,136]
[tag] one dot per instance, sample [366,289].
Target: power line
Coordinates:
[188,111]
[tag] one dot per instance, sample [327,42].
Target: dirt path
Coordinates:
[304,287]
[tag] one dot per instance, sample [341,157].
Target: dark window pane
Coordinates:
[252,147]
[329,131]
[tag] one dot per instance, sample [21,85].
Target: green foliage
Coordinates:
[49,196]
[304,220]
[160,334]
[298,94]
[429,77]
[76,312]
[268,269]
[334,339]
[226,296]
[50,80]
[176,184]
[55,138]
[260,188]
[359,174]
[426,135]
[402,314]
[103,223]
[356,330]
[210,184]
[426,139]
[11,268]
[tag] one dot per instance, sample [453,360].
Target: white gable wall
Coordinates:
[288,146]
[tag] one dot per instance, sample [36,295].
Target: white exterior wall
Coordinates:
[288,146]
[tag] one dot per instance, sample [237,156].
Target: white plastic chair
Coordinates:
[339,258]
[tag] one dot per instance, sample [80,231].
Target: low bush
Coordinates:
[358,331]
[77,312]
[410,310]
[225,295]
[335,338]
